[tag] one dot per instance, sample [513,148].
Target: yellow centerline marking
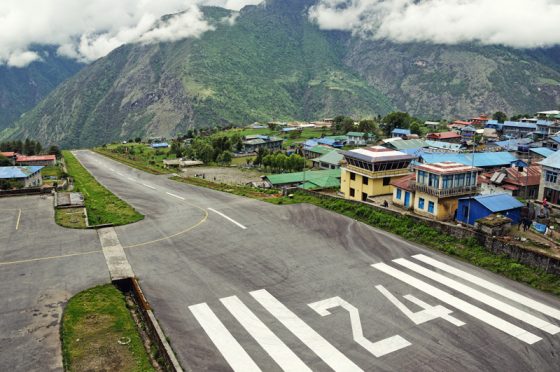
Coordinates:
[18,219]
[49,258]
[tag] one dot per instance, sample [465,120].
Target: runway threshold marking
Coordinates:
[228,218]
[481,297]
[276,348]
[232,351]
[319,345]
[526,301]
[18,219]
[472,310]
[175,196]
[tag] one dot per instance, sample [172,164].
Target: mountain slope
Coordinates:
[22,88]
[274,64]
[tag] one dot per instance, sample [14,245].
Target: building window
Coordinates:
[421,203]
[551,177]
[421,177]
[352,192]
[433,180]
[386,181]
[399,194]
[466,212]
[431,207]
[447,182]
[364,196]
[352,176]
[365,180]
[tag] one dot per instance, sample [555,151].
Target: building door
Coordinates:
[406,199]
[364,196]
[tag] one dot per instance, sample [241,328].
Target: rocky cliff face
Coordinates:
[273,64]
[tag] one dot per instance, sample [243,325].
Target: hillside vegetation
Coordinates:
[273,64]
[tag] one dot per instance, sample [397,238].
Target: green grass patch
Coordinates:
[93,323]
[247,191]
[142,157]
[52,171]
[73,218]
[103,207]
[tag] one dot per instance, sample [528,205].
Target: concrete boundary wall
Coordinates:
[495,245]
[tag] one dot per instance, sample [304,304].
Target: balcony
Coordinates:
[445,193]
[377,174]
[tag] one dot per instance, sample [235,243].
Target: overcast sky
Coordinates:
[515,23]
[89,29]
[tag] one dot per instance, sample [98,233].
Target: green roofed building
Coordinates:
[330,160]
[312,180]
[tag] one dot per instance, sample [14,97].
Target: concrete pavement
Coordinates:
[245,285]
[41,266]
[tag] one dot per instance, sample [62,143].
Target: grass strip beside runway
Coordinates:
[103,207]
[99,333]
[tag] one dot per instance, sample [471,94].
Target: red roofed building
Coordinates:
[459,124]
[43,160]
[516,181]
[480,121]
[451,137]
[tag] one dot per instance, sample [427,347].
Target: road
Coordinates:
[245,285]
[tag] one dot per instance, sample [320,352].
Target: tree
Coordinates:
[367,126]
[138,140]
[499,116]
[55,150]
[4,161]
[396,120]
[226,157]
[347,125]
[272,126]
[415,128]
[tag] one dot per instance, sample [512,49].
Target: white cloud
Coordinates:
[88,30]
[514,23]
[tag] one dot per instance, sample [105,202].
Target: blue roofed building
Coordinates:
[160,145]
[513,144]
[552,142]
[540,153]
[515,129]
[20,176]
[398,132]
[485,160]
[474,208]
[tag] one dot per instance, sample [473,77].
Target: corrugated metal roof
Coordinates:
[289,178]
[326,182]
[18,172]
[407,144]
[542,151]
[552,161]
[444,145]
[517,124]
[320,149]
[514,143]
[481,159]
[498,202]
[333,157]
[401,131]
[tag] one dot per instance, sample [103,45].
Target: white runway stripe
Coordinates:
[175,196]
[228,218]
[148,186]
[481,297]
[474,311]
[286,358]
[530,303]
[232,351]
[324,350]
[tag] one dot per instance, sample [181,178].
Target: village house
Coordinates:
[309,180]
[459,124]
[330,160]
[485,160]
[550,181]
[552,142]
[36,160]
[397,132]
[435,189]
[516,181]
[26,176]
[468,133]
[255,142]
[475,208]
[480,121]
[358,138]
[12,156]
[539,153]
[369,172]
[312,150]
[451,137]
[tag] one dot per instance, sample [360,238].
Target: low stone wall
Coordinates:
[24,192]
[521,254]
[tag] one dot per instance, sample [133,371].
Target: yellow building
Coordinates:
[436,189]
[369,172]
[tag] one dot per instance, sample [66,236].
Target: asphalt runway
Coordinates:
[244,285]
[41,266]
